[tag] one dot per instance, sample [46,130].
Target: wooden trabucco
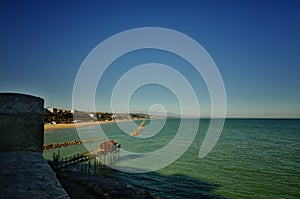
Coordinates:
[107,151]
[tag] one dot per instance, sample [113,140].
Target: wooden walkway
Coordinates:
[98,156]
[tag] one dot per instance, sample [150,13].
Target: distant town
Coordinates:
[62,116]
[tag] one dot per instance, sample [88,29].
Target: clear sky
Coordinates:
[255,44]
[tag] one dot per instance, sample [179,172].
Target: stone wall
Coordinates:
[21,122]
[24,173]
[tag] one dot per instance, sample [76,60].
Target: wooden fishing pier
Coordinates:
[107,151]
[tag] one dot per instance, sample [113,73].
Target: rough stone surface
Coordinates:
[26,174]
[21,122]
[15,103]
[100,187]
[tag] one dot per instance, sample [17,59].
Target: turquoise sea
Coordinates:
[254,158]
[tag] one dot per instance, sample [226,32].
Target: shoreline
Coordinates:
[49,127]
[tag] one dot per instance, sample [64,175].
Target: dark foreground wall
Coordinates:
[23,171]
[25,174]
[21,122]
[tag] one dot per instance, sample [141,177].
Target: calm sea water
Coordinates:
[254,158]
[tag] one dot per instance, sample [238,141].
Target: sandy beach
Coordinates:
[49,127]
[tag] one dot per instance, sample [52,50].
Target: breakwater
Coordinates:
[75,142]
[139,129]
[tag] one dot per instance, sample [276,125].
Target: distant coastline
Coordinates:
[59,118]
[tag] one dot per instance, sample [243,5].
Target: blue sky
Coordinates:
[255,45]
